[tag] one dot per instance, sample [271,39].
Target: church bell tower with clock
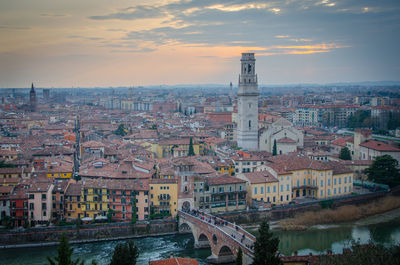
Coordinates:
[247,127]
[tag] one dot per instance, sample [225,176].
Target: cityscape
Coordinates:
[200,132]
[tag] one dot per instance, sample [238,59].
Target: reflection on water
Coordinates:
[152,248]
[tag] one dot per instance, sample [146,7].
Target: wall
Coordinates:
[96,231]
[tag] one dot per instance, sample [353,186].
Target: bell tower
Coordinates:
[247,128]
[32,98]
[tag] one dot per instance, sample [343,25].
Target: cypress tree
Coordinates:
[274,149]
[239,257]
[191,150]
[64,252]
[266,247]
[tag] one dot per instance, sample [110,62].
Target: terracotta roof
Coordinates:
[286,140]
[260,177]
[338,167]
[223,180]
[174,261]
[74,190]
[379,146]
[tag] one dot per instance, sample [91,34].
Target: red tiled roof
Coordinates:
[223,180]
[286,140]
[260,177]
[379,146]
[174,261]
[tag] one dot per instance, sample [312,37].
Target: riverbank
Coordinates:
[84,241]
[342,214]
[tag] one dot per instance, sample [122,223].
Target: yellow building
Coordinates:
[308,178]
[261,186]
[163,196]
[94,196]
[59,168]
[73,201]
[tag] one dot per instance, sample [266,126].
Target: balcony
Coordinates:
[164,197]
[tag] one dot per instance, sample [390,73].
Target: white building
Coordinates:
[286,136]
[247,129]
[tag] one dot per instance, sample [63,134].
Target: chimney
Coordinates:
[171,256]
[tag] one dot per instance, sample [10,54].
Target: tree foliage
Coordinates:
[360,119]
[239,257]
[121,130]
[191,150]
[274,149]
[364,255]
[125,254]
[345,153]
[64,254]
[266,247]
[3,164]
[384,170]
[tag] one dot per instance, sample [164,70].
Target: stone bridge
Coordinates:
[223,237]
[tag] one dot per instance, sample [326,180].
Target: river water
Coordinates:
[315,240]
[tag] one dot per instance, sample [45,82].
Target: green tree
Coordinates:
[3,164]
[266,247]
[64,252]
[239,257]
[274,149]
[134,210]
[121,130]
[191,150]
[384,170]
[364,255]
[345,153]
[125,254]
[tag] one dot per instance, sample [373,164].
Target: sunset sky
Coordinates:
[85,43]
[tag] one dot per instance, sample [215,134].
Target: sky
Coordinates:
[86,43]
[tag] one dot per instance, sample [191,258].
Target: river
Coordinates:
[315,240]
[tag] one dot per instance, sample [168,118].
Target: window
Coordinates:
[349,179]
[255,191]
[322,183]
[340,190]
[287,187]
[287,197]
[345,180]
[281,198]
[340,181]
[249,124]
[334,181]
[268,189]
[329,191]
[31,196]
[298,183]
[322,193]
[274,187]
[281,188]
[334,191]
[44,196]
[44,206]
[329,182]
[262,190]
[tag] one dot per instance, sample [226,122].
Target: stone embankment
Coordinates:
[48,236]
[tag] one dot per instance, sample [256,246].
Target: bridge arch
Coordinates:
[203,241]
[225,254]
[184,227]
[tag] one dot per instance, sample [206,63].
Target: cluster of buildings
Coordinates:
[142,154]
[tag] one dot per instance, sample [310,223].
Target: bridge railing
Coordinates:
[233,226]
[243,246]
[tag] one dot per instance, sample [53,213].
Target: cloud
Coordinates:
[132,13]
[51,15]
[8,27]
